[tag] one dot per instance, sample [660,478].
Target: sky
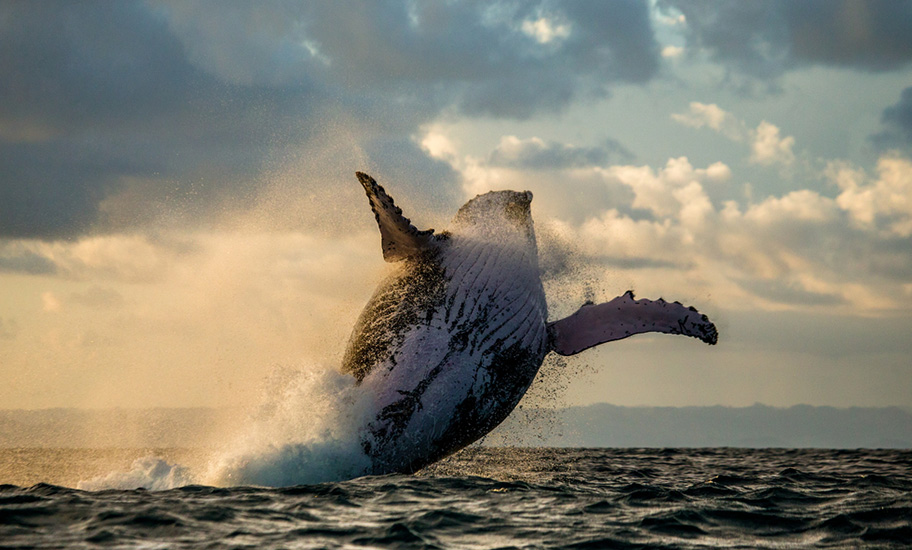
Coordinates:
[179,217]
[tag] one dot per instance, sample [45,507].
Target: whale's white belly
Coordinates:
[464,365]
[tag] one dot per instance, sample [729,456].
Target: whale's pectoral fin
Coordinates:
[625,316]
[399,238]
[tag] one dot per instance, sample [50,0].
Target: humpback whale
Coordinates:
[450,342]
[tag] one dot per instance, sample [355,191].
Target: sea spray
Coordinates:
[148,472]
[306,430]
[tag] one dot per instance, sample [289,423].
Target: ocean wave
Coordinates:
[499,498]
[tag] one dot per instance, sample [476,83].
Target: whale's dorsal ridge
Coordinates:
[399,238]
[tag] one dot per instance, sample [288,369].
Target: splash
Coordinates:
[305,430]
[149,472]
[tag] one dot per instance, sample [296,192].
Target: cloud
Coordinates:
[17,258]
[115,257]
[675,190]
[800,206]
[536,153]
[767,147]
[112,117]
[545,30]
[713,117]
[767,39]
[100,97]
[672,52]
[789,293]
[884,202]
[845,251]
[898,122]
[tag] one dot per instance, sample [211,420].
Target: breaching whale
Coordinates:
[450,342]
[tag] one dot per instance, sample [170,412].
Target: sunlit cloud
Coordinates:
[544,30]
[766,144]
[763,255]
[672,52]
[713,117]
[886,199]
[767,147]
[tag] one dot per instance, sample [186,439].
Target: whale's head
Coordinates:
[503,213]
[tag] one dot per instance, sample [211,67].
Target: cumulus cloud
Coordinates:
[802,249]
[713,117]
[800,206]
[884,200]
[767,39]
[844,247]
[675,190]
[767,145]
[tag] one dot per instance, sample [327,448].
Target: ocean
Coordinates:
[482,497]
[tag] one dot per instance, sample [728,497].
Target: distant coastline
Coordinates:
[599,425]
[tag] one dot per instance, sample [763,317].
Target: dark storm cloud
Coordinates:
[191,99]
[898,122]
[765,39]
[485,57]
[93,93]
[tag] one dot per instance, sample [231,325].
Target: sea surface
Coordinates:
[487,498]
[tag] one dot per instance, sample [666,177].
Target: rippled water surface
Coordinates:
[508,498]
